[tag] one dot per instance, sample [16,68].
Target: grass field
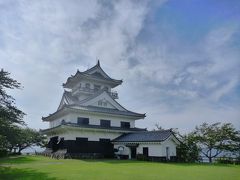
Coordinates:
[38,167]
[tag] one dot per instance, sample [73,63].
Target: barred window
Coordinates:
[105,123]
[83,121]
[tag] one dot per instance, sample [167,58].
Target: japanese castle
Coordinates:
[89,122]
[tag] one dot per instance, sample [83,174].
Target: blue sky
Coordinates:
[179,60]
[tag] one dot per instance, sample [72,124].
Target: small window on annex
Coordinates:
[145,151]
[83,121]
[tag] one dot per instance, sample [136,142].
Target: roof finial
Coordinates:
[98,62]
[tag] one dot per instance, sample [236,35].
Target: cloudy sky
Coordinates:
[179,60]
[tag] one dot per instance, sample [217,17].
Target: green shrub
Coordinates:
[228,160]
[141,157]
[3,153]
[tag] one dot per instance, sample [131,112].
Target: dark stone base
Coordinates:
[84,149]
[84,156]
[122,156]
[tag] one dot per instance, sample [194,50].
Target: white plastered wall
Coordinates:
[83,83]
[108,104]
[93,119]
[104,96]
[58,121]
[154,149]
[92,83]
[158,150]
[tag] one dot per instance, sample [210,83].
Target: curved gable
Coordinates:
[105,97]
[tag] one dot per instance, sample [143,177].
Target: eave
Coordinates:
[69,108]
[72,80]
[70,126]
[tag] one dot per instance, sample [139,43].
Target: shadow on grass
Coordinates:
[8,173]
[17,159]
[115,161]
[202,164]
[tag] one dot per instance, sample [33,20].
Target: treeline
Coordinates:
[219,141]
[14,133]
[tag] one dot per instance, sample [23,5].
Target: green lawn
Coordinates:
[38,167]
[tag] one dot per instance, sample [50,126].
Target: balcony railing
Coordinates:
[113,94]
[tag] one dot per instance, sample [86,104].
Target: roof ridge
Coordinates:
[145,136]
[97,66]
[159,130]
[99,93]
[155,131]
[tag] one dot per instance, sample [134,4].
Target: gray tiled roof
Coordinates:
[100,127]
[76,104]
[99,75]
[73,103]
[87,73]
[70,98]
[106,110]
[147,136]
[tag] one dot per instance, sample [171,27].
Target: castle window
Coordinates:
[125,124]
[105,123]
[83,121]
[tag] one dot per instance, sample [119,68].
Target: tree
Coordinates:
[3,142]
[215,138]
[29,137]
[23,138]
[235,147]
[12,136]
[188,150]
[10,115]
[157,127]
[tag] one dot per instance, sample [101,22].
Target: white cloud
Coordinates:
[225,89]
[44,42]
[196,114]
